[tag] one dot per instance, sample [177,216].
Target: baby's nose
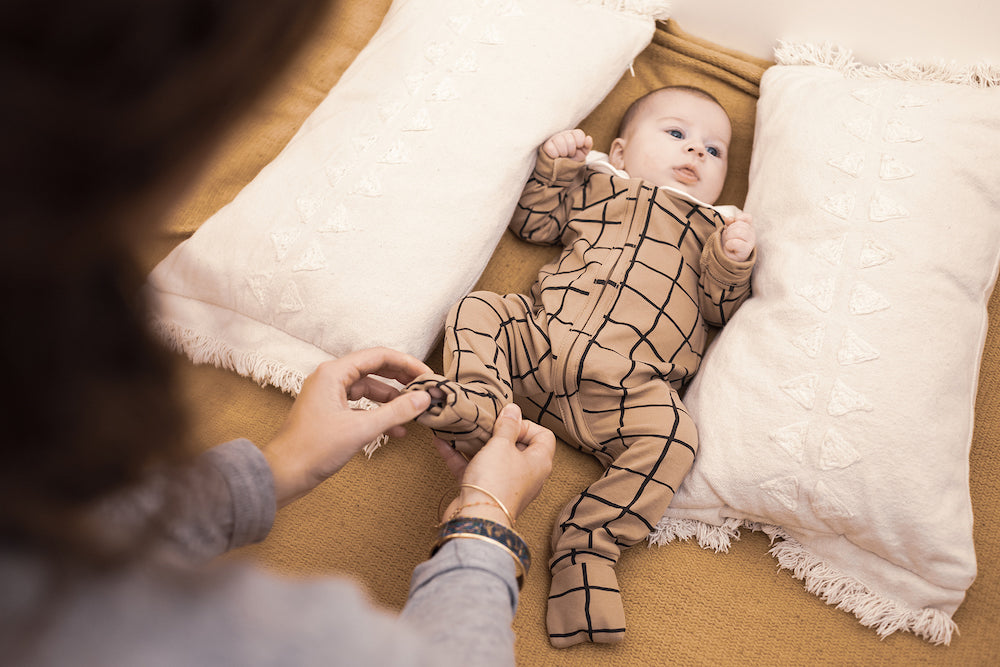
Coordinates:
[697,150]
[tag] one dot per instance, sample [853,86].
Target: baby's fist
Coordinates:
[739,237]
[574,144]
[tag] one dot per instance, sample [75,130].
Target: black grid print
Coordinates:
[612,330]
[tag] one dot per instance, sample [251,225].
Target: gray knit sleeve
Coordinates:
[465,598]
[223,500]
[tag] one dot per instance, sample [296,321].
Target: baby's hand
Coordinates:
[738,237]
[574,144]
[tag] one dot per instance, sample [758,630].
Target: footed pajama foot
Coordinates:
[457,413]
[585,605]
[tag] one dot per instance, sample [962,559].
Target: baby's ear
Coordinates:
[616,154]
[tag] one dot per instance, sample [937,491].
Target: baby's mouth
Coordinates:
[686,174]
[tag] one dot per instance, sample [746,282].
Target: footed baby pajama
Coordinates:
[612,329]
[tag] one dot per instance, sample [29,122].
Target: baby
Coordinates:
[612,329]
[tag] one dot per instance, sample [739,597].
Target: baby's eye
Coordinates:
[676,134]
[713,151]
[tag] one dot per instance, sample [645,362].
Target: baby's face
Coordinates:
[678,139]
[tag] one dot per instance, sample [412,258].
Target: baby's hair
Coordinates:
[636,106]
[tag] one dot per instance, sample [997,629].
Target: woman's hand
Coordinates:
[322,432]
[513,465]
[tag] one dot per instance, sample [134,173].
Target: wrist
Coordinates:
[488,531]
[480,510]
[288,485]
[476,502]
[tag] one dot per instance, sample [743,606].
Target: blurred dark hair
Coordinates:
[104,102]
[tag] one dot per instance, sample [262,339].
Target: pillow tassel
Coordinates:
[203,349]
[716,538]
[872,610]
[978,75]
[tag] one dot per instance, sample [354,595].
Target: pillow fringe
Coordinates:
[978,75]
[872,610]
[204,349]
[656,9]
[883,615]
[708,536]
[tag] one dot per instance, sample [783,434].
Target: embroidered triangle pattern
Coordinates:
[434,52]
[337,221]
[802,389]
[910,100]
[395,154]
[307,207]
[843,400]
[258,283]
[861,239]
[832,251]
[491,35]
[892,169]
[851,164]
[785,490]
[864,300]
[826,504]
[792,440]
[510,8]
[873,254]
[819,294]
[861,128]
[897,131]
[368,186]
[855,350]
[841,205]
[869,96]
[836,452]
[445,91]
[290,300]
[885,208]
[466,63]
[283,240]
[811,341]
[419,122]
[311,260]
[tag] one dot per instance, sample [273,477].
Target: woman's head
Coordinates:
[108,103]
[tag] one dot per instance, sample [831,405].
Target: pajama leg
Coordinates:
[493,349]
[656,442]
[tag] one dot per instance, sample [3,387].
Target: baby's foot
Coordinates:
[457,413]
[585,605]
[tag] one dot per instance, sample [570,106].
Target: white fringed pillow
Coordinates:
[835,410]
[384,208]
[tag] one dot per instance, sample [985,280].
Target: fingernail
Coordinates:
[420,400]
[511,411]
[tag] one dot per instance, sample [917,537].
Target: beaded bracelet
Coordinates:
[491,531]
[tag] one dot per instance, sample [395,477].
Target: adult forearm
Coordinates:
[223,500]
[464,599]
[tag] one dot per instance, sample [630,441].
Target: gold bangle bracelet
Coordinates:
[499,503]
[518,565]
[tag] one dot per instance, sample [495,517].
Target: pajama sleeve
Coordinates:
[544,209]
[725,283]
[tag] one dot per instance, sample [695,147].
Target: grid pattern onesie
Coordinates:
[611,330]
